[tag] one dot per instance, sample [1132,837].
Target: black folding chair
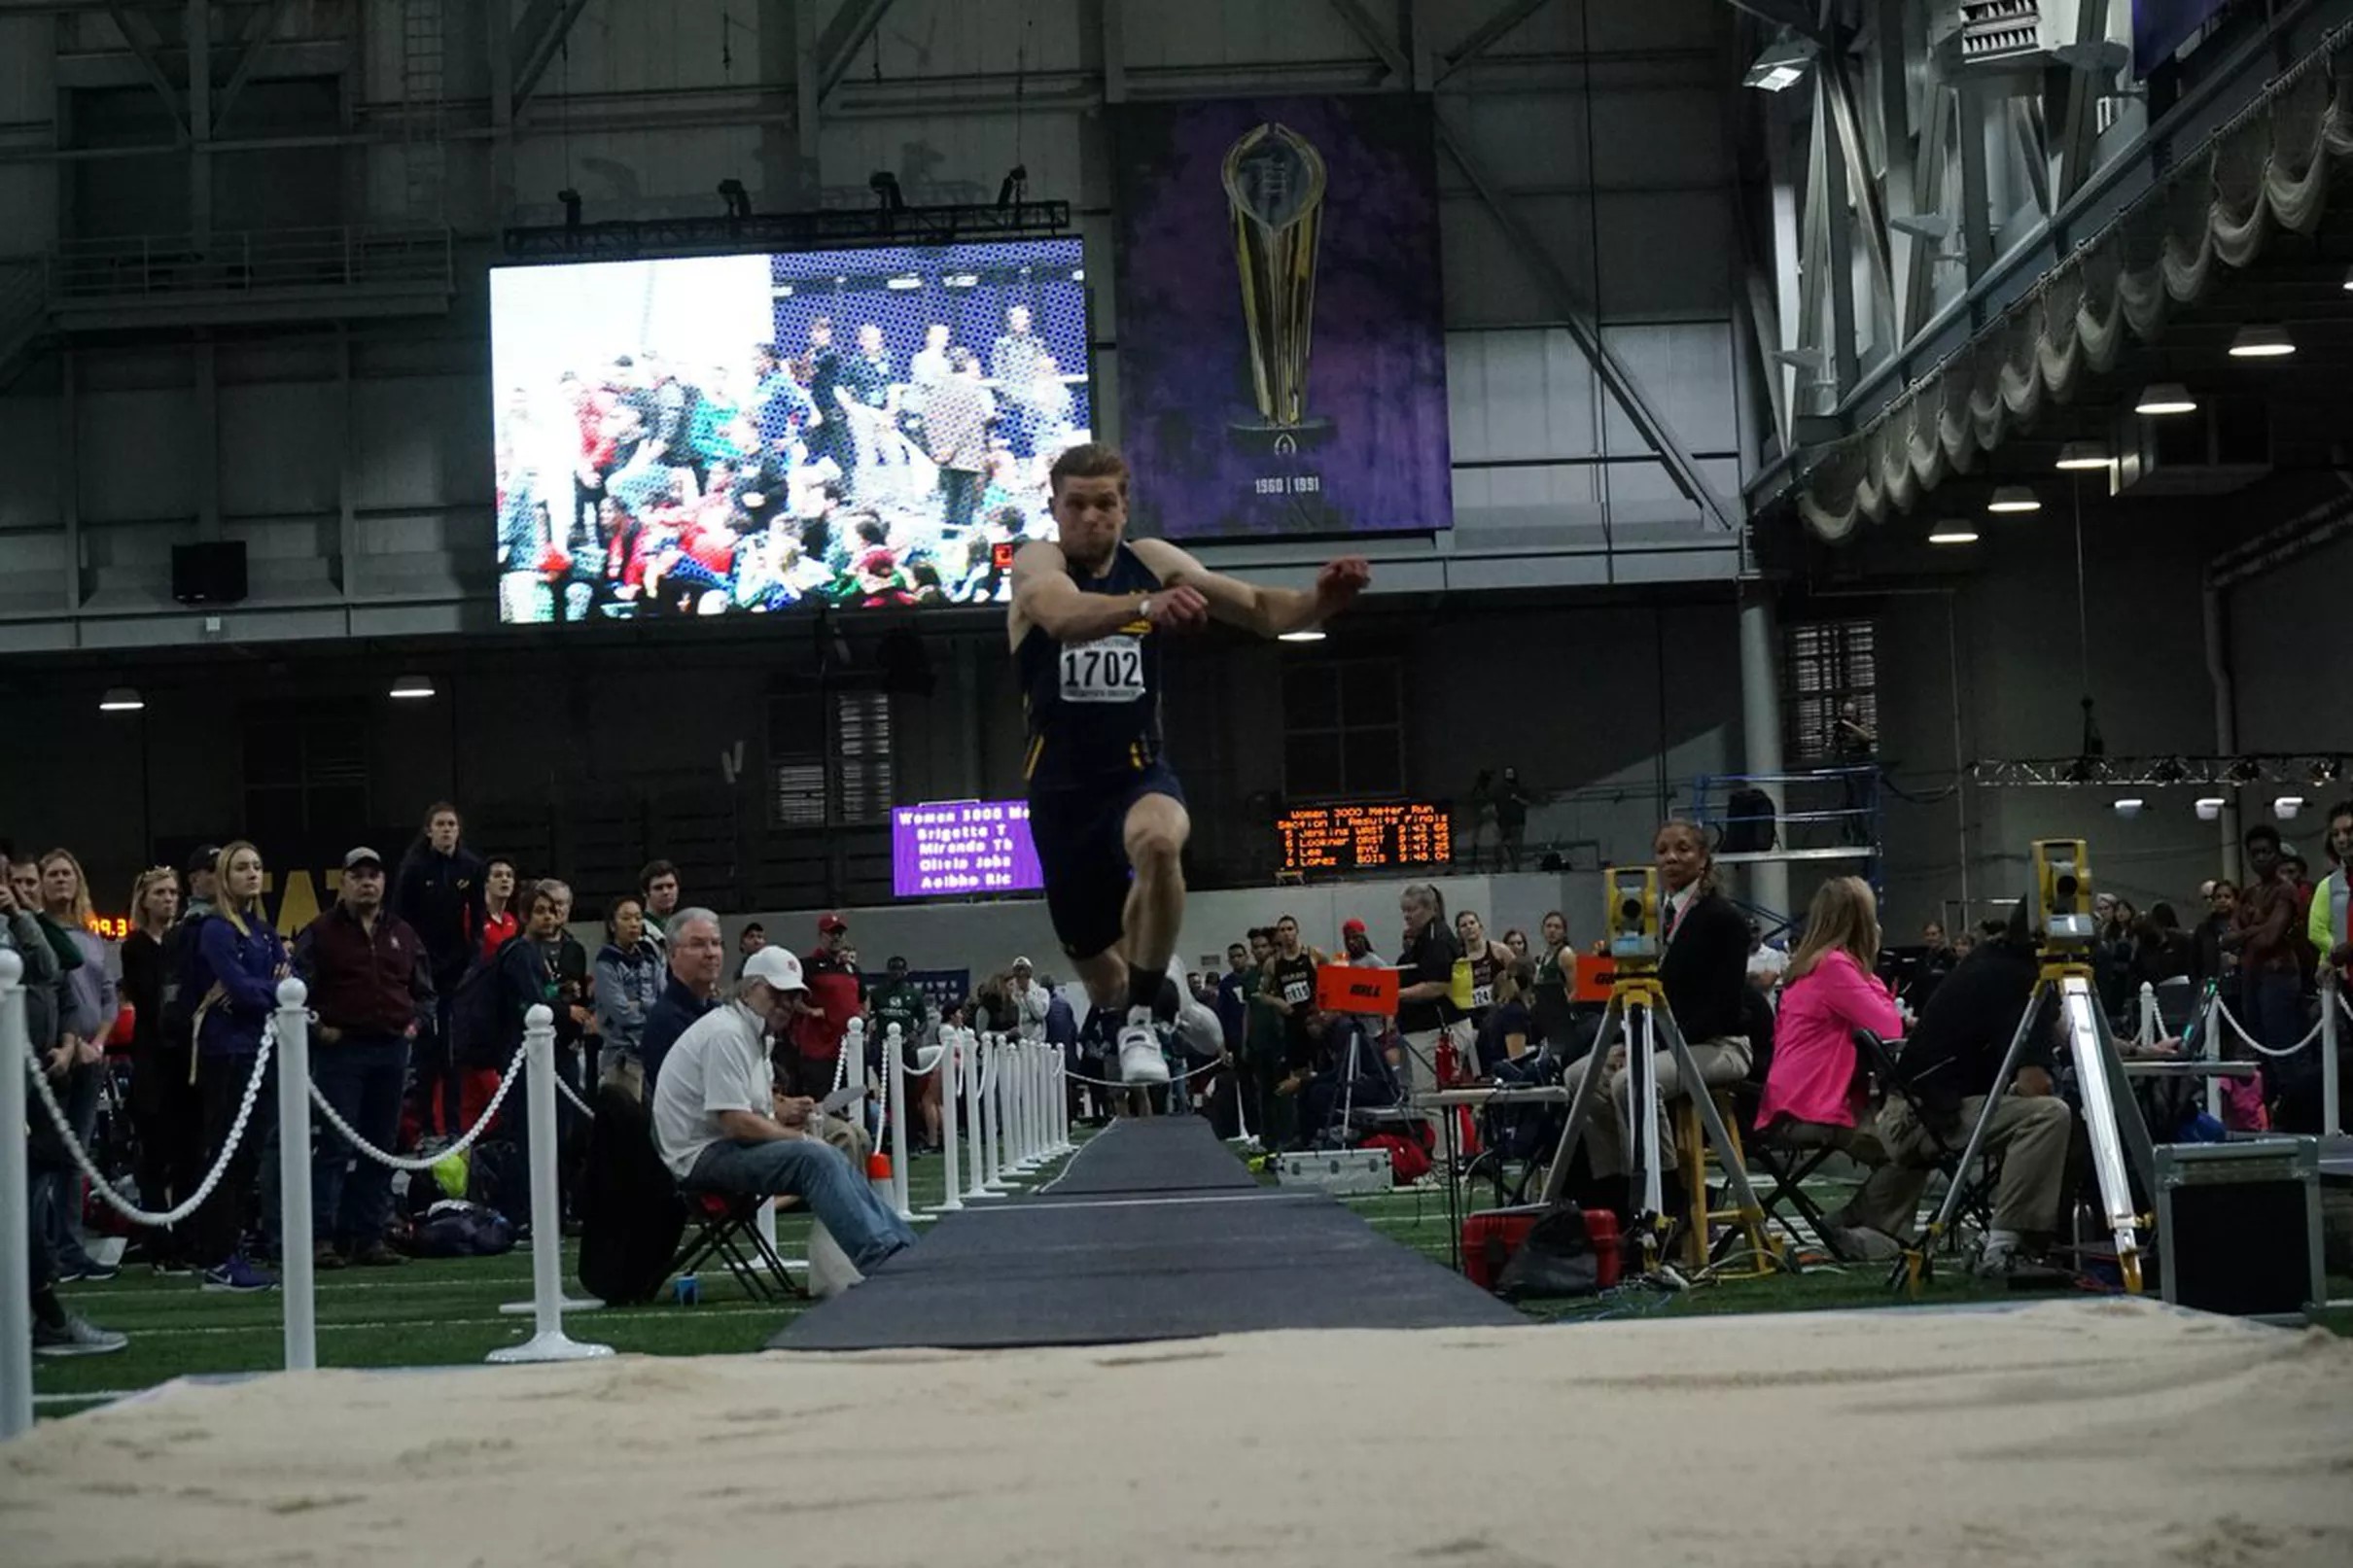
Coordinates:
[1789,1165]
[726,1226]
[1884,1060]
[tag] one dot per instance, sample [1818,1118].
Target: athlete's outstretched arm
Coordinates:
[1046,597]
[1256,606]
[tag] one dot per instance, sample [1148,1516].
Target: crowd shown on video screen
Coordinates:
[832,476]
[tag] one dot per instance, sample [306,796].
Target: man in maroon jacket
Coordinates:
[371,985]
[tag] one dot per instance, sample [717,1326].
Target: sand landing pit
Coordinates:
[2073,1433]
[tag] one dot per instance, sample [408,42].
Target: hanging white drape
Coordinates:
[2267,169]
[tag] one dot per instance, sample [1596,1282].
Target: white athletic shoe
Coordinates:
[1139,1059]
[1199,1031]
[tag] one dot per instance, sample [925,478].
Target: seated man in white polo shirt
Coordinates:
[720,1125]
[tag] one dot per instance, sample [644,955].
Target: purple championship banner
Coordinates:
[1282,342]
[962,847]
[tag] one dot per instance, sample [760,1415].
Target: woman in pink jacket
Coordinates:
[1814,1086]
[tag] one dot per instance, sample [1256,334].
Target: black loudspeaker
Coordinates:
[208,573]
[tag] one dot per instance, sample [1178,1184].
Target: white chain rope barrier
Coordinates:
[490,1112]
[2255,1044]
[564,1089]
[105,1189]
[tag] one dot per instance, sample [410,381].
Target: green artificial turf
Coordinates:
[445,1313]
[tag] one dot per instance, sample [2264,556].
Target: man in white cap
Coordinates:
[722,1127]
[1030,1001]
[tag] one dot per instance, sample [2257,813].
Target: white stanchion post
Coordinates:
[894,1070]
[2330,1019]
[950,1070]
[1062,1096]
[548,1340]
[2211,1048]
[1024,1153]
[992,1112]
[2153,1028]
[16,1195]
[976,1117]
[852,1069]
[297,1282]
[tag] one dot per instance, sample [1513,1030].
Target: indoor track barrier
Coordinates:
[2326,1034]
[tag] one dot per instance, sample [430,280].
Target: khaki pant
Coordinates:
[2030,1134]
[1607,1118]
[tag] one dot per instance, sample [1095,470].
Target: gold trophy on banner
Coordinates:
[1274,188]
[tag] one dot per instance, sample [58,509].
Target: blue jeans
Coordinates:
[362,1079]
[820,1177]
[2274,1003]
[54,1200]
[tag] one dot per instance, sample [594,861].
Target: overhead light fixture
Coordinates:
[1952,533]
[2262,340]
[2085,455]
[410,687]
[1015,185]
[905,280]
[2130,806]
[1311,634]
[2209,807]
[738,200]
[121,700]
[2286,807]
[2349,280]
[2165,398]
[571,200]
[2014,498]
[1783,64]
[885,185]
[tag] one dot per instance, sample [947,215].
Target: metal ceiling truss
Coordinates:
[2303,770]
[1538,256]
[1908,152]
[536,43]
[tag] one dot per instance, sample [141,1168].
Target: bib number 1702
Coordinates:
[1110,669]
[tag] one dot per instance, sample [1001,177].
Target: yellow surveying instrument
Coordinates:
[1639,1019]
[2060,915]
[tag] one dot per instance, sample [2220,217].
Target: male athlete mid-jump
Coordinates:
[1085,625]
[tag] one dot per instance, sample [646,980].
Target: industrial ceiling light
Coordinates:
[1783,64]
[885,185]
[2165,398]
[1015,185]
[2349,280]
[738,200]
[2286,807]
[121,700]
[2130,806]
[1952,532]
[1311,634]
[2014,498]
[571,200]
[410,687]
[2262,340]
[2209,807]
[2084,455]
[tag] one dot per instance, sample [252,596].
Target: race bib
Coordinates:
[1482,996]
[1298,991]
[1108,670]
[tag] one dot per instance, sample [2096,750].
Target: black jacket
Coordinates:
[1957,1049]
[440,897]
[1705,969]
[665,1021]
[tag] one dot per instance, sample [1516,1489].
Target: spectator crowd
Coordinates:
[422,972]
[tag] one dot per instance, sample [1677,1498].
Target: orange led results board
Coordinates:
[1376,836]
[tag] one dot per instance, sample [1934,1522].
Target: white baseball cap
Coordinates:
[777,967]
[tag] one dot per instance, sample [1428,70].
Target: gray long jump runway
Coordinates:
[1154,1232]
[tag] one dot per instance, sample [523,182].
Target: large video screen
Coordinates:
[962,847]
[750,434]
